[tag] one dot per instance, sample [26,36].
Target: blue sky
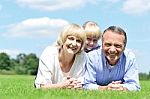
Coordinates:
[28,26]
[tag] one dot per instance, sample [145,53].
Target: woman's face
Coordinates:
[72,44]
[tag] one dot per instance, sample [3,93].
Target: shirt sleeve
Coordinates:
[78,68]
[90,75]
[131,76]
[44,74]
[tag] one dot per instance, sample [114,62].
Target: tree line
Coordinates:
[22,64]
[28,64]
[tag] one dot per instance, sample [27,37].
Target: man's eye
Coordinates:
[118,46]
[107,44]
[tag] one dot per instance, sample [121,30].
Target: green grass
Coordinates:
[21,87]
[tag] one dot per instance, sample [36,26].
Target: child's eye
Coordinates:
[89,39]
[95,40]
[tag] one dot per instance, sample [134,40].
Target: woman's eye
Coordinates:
[79,41]
[70,38]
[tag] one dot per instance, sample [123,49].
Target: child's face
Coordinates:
[90,43]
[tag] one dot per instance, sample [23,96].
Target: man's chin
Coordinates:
[112,61]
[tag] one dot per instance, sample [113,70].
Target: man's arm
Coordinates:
[131,76]
[90,75]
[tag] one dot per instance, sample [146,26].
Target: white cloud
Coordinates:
[51,5]
[136,6]
[35,28]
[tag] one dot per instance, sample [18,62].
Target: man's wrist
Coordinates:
[103,87]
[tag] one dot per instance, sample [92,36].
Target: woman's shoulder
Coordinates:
[50,50]
[81,54]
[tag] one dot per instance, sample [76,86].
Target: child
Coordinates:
[93,34]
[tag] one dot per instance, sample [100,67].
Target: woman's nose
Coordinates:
[74,42]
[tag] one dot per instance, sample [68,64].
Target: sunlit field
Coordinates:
[22,87]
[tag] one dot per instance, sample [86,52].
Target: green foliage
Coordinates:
[144,76]
[23,64]
[21,87]
[26,64]
[31,63]
[4,61]
[6,72]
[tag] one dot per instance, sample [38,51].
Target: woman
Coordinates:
[62,66]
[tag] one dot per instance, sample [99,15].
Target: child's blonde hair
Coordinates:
[92,29]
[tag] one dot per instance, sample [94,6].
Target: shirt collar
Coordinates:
[106,62]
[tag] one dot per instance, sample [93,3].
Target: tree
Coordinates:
[19,67]
[20,58]
[31,62]
[23,64]
[4,61]
[26,64]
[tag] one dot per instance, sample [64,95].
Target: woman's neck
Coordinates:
[65,60]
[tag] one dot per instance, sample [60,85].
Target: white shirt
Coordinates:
[49,70]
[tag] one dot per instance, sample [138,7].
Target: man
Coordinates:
[112,67]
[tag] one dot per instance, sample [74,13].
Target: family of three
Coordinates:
[78,61]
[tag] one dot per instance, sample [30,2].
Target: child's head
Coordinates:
[93,34]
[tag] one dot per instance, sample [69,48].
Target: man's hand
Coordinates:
[114,85]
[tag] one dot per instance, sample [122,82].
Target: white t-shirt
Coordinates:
[49,70]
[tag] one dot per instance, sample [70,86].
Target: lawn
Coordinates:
[21,87]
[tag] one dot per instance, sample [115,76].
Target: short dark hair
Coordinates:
[117,30]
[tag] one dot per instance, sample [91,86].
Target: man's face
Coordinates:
[113,46]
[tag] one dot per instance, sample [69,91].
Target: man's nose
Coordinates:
[112,49]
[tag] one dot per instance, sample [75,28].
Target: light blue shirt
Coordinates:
[100,73]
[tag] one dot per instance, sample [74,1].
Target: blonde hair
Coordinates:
[92,29]
[71,30]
